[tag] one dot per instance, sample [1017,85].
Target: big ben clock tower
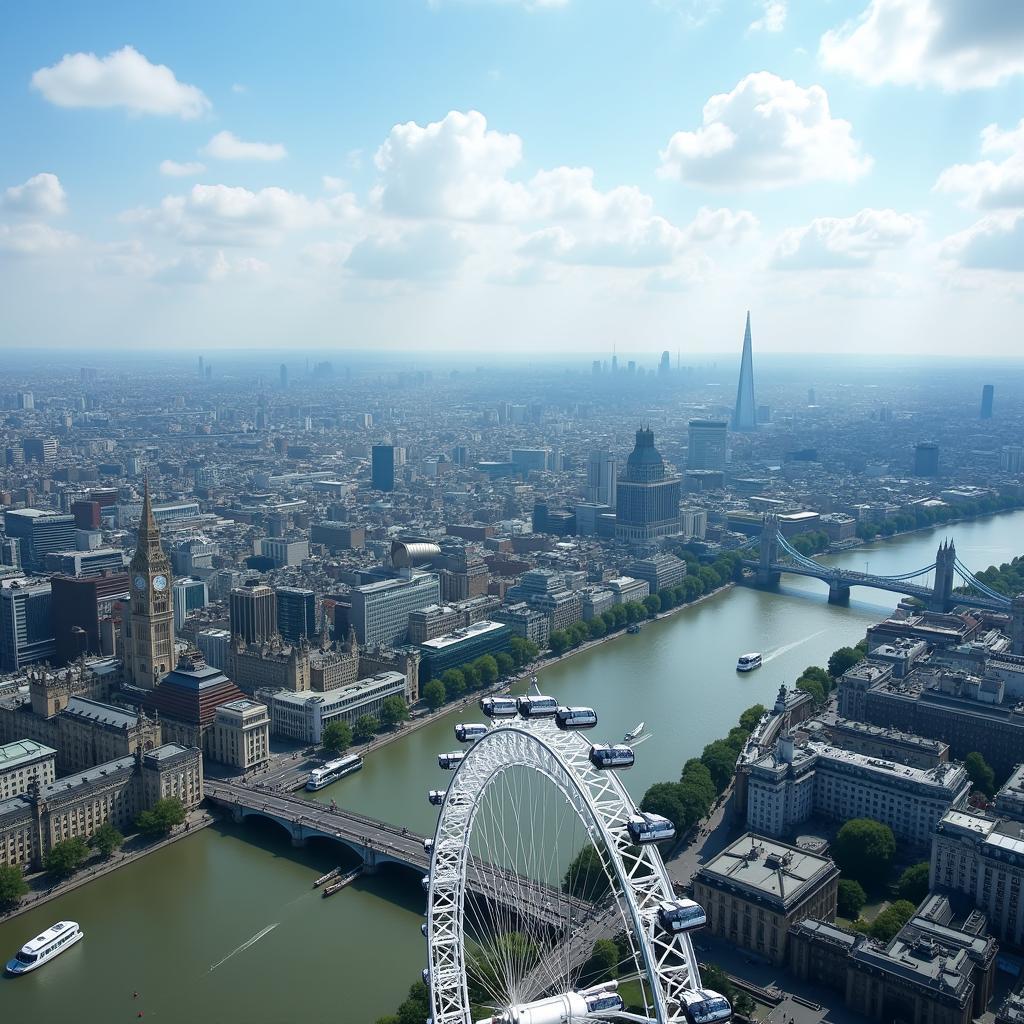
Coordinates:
[150,646]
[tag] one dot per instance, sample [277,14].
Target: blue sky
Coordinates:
[543,175]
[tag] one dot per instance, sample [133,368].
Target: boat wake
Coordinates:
[786,648]
[245,945]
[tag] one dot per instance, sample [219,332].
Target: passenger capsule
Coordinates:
[705,1006]
[428,845]
[650,828]
[425,975]
[424,929]
[607,755]
[425,883]
[498,707]
[677,916]
[537,706]
[451,760]
[436,797]
[469,733]
[605,1001]
[575,718]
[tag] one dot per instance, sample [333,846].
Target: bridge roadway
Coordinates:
[377,842]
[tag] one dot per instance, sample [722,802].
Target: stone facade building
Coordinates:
[241,734]
[272,664]
[23,763]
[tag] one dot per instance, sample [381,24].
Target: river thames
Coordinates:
[224,927]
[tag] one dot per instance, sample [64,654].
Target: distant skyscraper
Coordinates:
[665,365]
[382,467]
[296,613]
[252,610]
[283,377]
[987,393]
[926,459]
[744,416]
[601,478]
[647,499]
[708,440]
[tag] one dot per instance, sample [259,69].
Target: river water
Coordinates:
[224,926]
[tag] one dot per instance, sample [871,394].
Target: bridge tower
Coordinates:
[945,573]
[766,576]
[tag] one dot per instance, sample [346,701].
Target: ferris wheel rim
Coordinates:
[605,803]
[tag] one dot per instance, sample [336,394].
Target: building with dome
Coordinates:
[646,498]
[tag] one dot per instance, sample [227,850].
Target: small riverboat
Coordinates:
[326,878]
[748,662]
[44,947]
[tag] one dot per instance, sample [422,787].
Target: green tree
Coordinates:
[523,651]
[106,839]
[558,642]
[913,883]
[752,716]
[712,976]
[585,878]
[392,711]
[161,817]
[635,611]
[365,727]
[720,760]
[666,799]
[851,898]
[602,964]
[818,674]
[842,660]
[667,598]
[67,856]
[12,885]
[698,786]
[979,772]
[891,920]
[472,676]
[487,668]
[454,684]
[414,1009]
[652,604]
[434,694]
[814,688]
[597,627]
[864,850]
[336,737]
[506,666]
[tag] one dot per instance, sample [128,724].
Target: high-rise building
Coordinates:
[380,611]
[665,366]
[744,417]
[26,629]
[647,499]
[926,459]
[708,442]
[189,595]
[252,612]
[26,400]
[296,613]
[40,532]
[601,480]
[149,647]
[40,449]
[79,607]
[987,394]
[283,377]
[526,460]
[382,467]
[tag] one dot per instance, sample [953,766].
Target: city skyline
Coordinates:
[838,186]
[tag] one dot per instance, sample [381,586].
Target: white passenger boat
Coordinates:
[748,662]
[333,770]
[45,946]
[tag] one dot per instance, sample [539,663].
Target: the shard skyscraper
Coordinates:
[744,416]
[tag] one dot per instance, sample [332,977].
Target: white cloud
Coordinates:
[227,215]
[995,242]
[173,169]
[332,183]
[228,146]
[205,267]
[722,225]
[34,239]
[954,44]
[773,17]
[768,132]
[123,78]
[453,168]
[989,184]
[238,88]
[830,243]
[41,196]
[424,252]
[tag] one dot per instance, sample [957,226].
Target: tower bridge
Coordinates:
[778,556]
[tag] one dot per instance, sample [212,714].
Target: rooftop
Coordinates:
[167,750]
[70,782]
[104,714]
[470,632]
[22,752]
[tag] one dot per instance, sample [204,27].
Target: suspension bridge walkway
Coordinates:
[932,584]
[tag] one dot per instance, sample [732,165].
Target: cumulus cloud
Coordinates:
[124,78]
[767,133]
[228,146]
[205,267]
[173,169]
[34,239]
[230,215]
[423,252]
[831,243]
[954,44]
[720,225]
[773,17]
[454,168]
[995,242]
[991,184]
[41,196]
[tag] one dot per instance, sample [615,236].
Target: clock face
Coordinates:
[140,582]
[159,582]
